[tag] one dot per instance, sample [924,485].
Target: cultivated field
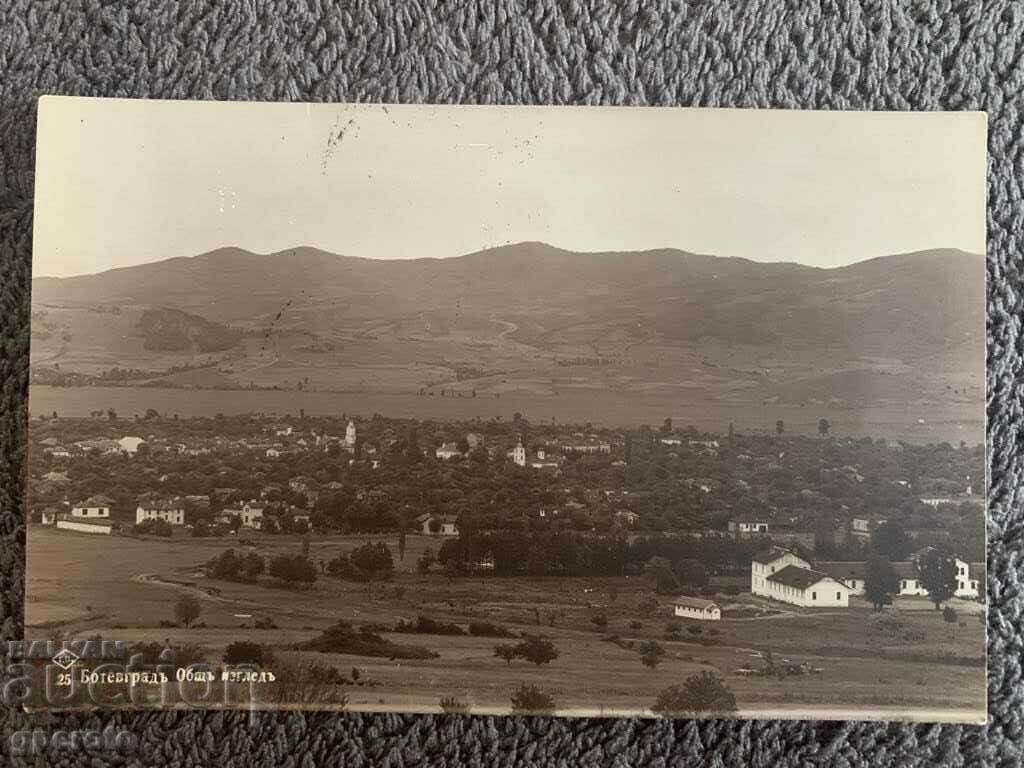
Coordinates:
[122,588]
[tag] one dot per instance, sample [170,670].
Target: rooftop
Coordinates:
[797,577]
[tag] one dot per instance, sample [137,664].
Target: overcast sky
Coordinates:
[123,182]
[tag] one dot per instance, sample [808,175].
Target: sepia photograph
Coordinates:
[584,411]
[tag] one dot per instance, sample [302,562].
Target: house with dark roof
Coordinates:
[808,588]
[767,562]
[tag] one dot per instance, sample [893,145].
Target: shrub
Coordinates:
[651,653]
[342,568]
[427,626]
[537,650]
[634,624]
[600,621]
[231,567]
[426,561]
[531,700]
[342,638]
[265,623]
[487,629]
[694,630]
[294,569]
[245,652]
[300,681]
[949,614]
[700,695]
[155,527]
[453,706]
[373,558]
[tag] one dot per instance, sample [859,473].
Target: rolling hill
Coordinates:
[533,316]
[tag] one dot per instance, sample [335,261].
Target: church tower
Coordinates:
[350,435]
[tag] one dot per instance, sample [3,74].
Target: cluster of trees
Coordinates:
[534,649]
[567,553]
[370,561]
[230,566]
[936,573]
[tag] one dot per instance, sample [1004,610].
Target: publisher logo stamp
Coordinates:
[65,659]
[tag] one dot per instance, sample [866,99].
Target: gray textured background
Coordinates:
[766,53]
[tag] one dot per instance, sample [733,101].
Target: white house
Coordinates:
[94,506]
[48,516]
[626,516]
[862,527]
[806,587]
[764,564]
[695,608]
[350,436]
[852,573]
[438,525]
[969,578]
[519,454]
[746,526]
[448,451]
[250,514]
[169,511]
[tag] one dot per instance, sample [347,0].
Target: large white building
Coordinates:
[250,514]
[170,511]
[779,574]
[350,435]
[969,577]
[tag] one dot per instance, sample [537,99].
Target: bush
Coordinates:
[651,653]
[425,562]
[265,623]
[342,638]
[487,629]
[373,558]
[600,621]
[700,695]
[531,700]
[341,567]
[634,624]
[231,567]
[949,614]
[694,630]
[300,681]
[155,527]
[537,650]
[201,529]
[427,626]
[294,569]
[453,706]
[245,652]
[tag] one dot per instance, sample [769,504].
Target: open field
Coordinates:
[122,588]
[934,422]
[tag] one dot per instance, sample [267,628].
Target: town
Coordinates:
[802,515]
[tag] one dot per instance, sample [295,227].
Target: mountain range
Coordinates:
[528,315]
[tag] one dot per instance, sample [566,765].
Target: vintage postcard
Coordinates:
[585,411]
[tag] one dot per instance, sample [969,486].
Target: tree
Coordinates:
[823,427]
[937,572]
[702,695]
[891,541]
[659,571]
[531,700]
[401,545]
[187,610]
[537,650]
[200,529]
[692,573]
[295,569]
[152,413]
[780,427]
[246,652]
[425,561]
[666,427]
[507,652]
[881,582]
[651,653]
[374,558]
